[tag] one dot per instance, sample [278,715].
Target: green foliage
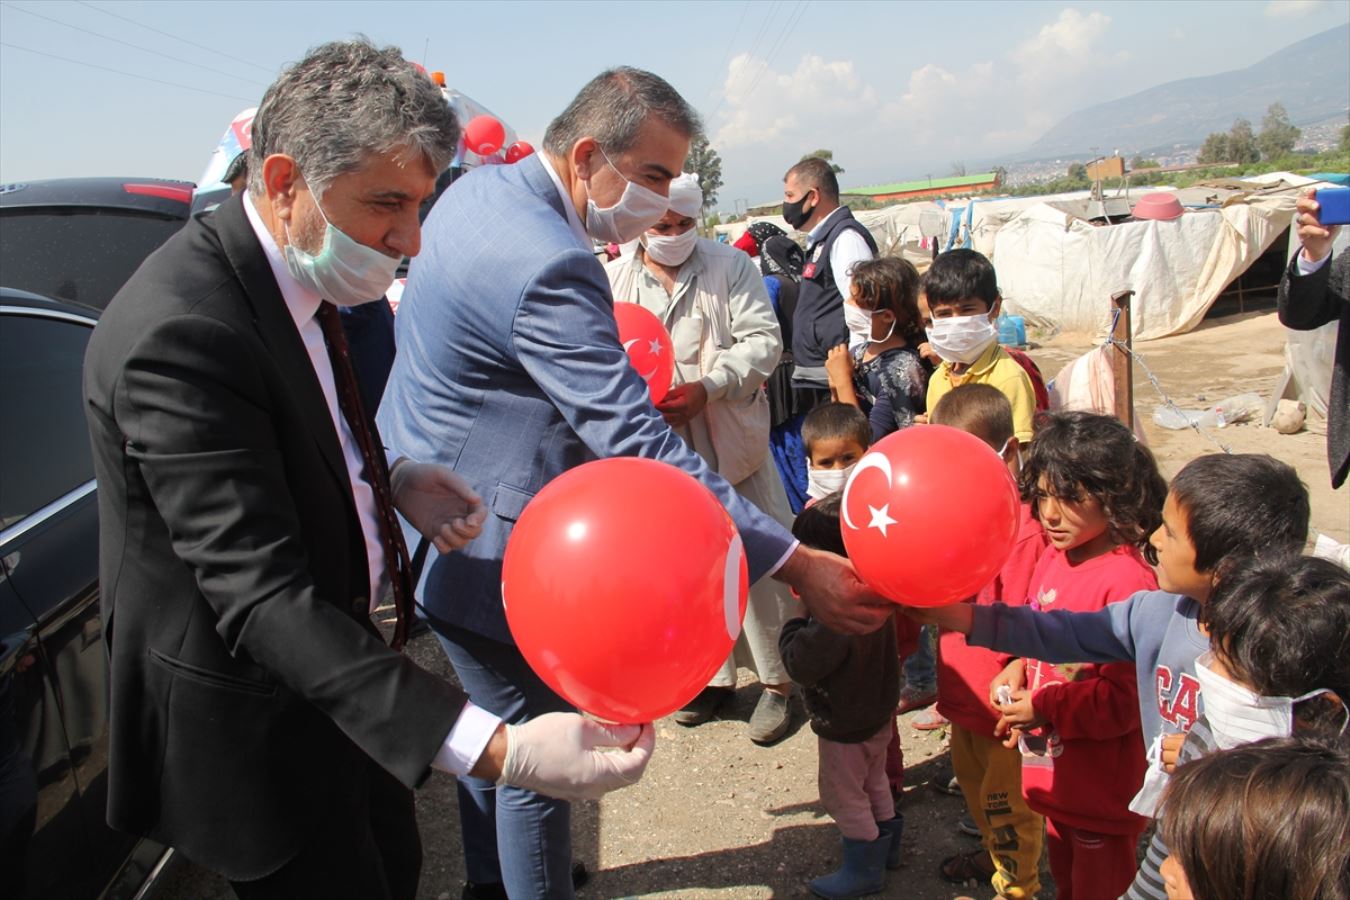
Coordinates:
[1278,135]
[828,156]
[714,220]
[1077,172]
[1242,146]
[1140,163]
[1345,139]
[1214,149]
[704,161]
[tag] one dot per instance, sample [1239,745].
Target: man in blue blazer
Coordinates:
[510,371]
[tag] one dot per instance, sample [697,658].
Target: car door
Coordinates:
[49,552]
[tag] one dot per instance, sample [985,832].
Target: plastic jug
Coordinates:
[1012,330]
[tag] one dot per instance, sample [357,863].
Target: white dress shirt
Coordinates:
[474,727]
[849,249]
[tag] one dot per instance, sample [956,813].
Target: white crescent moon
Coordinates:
[870,461]
[627,344]
[731,587]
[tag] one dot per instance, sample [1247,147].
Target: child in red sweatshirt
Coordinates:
[1098,495]
[990,774]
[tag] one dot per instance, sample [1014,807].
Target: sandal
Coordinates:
[964,868]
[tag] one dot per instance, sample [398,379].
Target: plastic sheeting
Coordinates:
[1059,271]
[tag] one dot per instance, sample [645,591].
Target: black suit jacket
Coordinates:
[249,688]
[1311,301]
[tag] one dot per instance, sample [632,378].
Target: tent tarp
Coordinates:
[1060,271]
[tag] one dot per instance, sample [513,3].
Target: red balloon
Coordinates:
[648,345]
[624,583]
[929,515]
[518,151]
[484,135]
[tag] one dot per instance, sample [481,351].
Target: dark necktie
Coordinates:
[374,470]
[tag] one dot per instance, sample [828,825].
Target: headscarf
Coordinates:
[781,255]
[686,197]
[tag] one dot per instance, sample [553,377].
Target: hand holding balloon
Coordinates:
[682,402]
[833,592]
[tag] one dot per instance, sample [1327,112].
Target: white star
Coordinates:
[654,347]
[881,518]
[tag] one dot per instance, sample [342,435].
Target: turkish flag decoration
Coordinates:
[929,515]
[624,584]
[648,346]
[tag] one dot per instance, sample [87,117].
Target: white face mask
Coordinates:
[344,272]
[1238,715]
[821,483]
[859,322]
[961,339]
[638,209]
[671,249]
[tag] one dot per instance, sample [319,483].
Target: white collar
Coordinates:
[814,234]
[301,302]
[572,218]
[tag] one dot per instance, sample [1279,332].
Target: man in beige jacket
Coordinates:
[726,342]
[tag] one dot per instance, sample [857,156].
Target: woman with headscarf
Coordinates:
[727,342]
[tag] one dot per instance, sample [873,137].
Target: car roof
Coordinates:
[162,196]
[13,297]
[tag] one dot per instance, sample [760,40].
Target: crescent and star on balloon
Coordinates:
[881,516]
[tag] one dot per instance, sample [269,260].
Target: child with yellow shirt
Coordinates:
[961,292]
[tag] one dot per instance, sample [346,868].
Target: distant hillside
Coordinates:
[1311,78]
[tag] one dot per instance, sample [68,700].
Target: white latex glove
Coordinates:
[564,755]
[439,504]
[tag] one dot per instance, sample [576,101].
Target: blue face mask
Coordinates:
[344,272]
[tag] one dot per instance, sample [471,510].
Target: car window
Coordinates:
[84,255]
[44,445]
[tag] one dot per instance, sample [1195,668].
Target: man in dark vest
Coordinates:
[835,243]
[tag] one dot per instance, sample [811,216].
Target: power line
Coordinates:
[790,25]
[80,62]
[726,57]
[106,37]
[754,45]
[108,12]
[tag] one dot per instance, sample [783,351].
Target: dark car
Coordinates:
[53,665]
[79,239]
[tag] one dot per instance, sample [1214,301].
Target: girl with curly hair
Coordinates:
[1098,495]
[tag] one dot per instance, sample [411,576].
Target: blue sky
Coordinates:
[896,90]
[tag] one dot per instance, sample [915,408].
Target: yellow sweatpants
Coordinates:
[990,776]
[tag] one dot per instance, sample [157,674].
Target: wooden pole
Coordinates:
[1122,368]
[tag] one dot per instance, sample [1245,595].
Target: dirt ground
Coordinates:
[718,817]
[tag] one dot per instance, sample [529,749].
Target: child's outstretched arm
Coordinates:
[1056,637]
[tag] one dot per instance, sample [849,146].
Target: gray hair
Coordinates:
[612,108]
[343,102]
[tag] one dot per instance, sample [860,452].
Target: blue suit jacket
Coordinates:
[509,370]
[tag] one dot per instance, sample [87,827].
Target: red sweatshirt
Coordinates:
[964,672]
[1094,762]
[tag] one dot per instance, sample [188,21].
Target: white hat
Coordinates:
[686,197]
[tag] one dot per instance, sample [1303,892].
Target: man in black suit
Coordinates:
[259,722]
[1315,291]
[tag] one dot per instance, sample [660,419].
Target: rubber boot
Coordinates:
[894,829]
[863,871]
